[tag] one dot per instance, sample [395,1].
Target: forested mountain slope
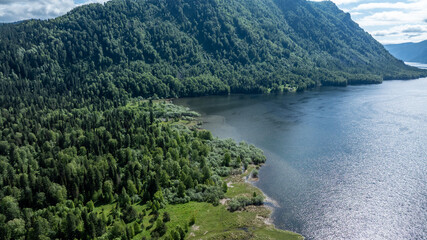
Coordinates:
[409,52]
[83,157]
[129,48]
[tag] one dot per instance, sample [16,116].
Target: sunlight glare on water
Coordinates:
[343,163]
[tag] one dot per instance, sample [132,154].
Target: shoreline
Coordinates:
[269,203]
[235,120]
[243,185]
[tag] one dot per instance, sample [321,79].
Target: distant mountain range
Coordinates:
[409,52]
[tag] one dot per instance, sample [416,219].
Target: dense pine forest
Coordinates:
[78,134]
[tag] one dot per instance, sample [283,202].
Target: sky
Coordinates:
[388,21]
[17,10]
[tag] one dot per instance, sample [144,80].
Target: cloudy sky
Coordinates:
[389,21]
[16,10]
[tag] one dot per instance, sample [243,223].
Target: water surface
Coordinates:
[343,163]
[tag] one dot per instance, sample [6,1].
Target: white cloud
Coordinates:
[409,5]
[389,21]
[356,13]
[340,2]
[384,19]
[402,33]
[394,22]
[391,18]
[25,9]
[96,1]
[16,10]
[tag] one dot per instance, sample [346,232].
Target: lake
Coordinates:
[343,163]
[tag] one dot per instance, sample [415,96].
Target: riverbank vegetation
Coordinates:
[89,173]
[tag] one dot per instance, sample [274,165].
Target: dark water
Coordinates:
[343,163]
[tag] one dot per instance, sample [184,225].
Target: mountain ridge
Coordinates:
[191,48]
[409,52]
[83,156]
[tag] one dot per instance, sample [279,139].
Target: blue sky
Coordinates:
[389,21]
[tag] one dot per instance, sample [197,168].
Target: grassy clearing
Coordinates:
[216,222]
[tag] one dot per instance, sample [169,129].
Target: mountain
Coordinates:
[82,156]
[409,52]
[131,48]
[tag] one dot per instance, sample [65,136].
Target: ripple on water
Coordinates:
[343,163]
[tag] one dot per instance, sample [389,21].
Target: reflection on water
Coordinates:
[343,163]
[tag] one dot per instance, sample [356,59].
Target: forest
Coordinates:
[132,48]
[57,167]
[82,129]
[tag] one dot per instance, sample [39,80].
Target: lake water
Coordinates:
[343,163]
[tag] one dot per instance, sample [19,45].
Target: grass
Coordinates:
[216,222]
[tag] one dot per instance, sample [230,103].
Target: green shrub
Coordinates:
[192,221]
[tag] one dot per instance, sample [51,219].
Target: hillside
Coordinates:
[188,48]
[85,155]
[409,52]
